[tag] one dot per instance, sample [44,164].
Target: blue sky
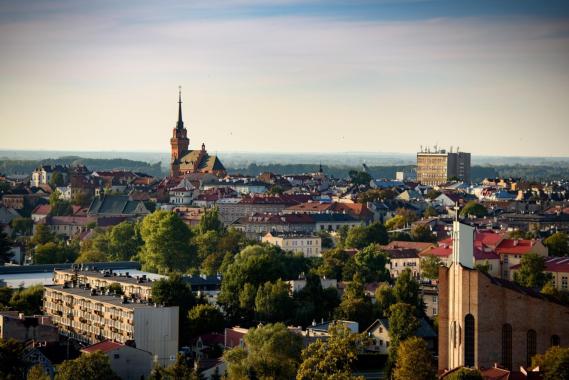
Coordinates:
[285,75]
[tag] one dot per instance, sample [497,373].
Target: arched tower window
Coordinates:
[507,346]
[469,340]
[531,346]
[555,340]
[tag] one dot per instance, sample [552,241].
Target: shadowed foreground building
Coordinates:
[485,320]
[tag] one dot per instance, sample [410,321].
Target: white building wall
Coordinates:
[156,331]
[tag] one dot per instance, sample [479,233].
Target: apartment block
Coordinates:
[438,167]
[90,316]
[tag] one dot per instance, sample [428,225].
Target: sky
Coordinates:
[490,76]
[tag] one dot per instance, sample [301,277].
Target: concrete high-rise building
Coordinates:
[439,166]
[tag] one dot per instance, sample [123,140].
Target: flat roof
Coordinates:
[117,277]
[106,299]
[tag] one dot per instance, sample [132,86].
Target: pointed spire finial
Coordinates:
[180,123]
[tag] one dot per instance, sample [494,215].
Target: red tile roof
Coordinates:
[104,346]
[515,246]
[42,210]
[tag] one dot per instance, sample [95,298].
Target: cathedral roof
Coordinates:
[207,162]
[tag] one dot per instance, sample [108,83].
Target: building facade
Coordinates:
[307,244]
[485,320]
[438,167]
[90,316]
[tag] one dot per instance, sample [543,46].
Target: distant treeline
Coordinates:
[12,167]
[528,172]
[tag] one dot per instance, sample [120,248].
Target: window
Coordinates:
[555,340]
[469,340]
[507,345]
[564,282]
[531,348]
[117,356]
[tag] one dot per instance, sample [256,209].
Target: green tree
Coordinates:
[355,305]
[59,207]
[124,242]
[6,245]
[95,249]
[554,363]
[12,365]
[474,208]
[333,358]
[429,212]
[273,302]
[359,178]
[42,235]
[465,374]
[93,366]
[327,241]
[37,372]
[205,318]
[532,271]
[558,244]
[173,291]
[372,195]
[166,242]
[407,290]
[402,322]
[313,302]
[414,362]
[333,262]
[81,199]
[370,263]
[422,232]
[54,253]
[483,267]
[384,298]
[433,194]
[56,180]
[22,226]
[430,267]
[210,221]
[28,300]
[362,236]
[254,265]
[273,352]
[182,369]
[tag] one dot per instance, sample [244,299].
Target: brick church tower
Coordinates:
[179,141]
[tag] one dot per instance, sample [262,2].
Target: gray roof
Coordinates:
[115,205]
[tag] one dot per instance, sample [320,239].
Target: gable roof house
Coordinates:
[116,205]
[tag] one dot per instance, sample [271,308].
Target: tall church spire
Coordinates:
[180,123]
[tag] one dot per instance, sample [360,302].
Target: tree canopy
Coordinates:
[554,363]
[474,208]
[93,366]
[332,358]
[414,362]
[6,245]
[430,267]
[272,352]
[362,236]
[558,244]
[166,243]
[532,271]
